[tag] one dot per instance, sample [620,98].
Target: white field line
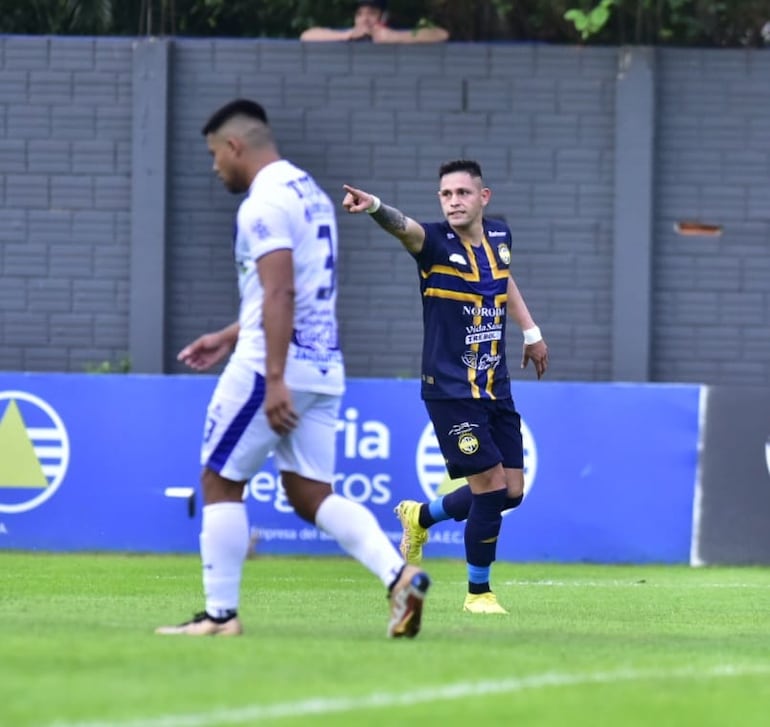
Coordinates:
[546,583]
[461,690]
[641,583]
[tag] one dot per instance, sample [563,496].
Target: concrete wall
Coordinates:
[592,155]
[711,317]
[65,174]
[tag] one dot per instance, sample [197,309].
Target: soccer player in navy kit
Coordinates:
[467,292]
[281,389]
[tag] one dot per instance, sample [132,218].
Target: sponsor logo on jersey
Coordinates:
[483,337]
[497,233]
[483,311]
[455,257]
[34,451]
[462,428]
[481,362]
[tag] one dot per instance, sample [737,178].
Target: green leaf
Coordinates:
[574,15]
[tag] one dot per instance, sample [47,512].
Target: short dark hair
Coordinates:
[460,165]
[381,5]
[239,107]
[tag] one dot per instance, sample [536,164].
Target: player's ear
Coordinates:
[235,144]
[486,195]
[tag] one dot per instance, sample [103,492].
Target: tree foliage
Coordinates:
[728,23]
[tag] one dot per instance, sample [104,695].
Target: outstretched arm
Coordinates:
[327,34]
[410,233]
[427,34]
[535,348]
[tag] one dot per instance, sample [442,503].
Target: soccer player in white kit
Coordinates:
[281,389]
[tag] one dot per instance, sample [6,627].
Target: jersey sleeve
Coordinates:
[425,257]
[266,226]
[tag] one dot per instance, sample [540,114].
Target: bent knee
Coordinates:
[304,495]
[514,482]
[219,489]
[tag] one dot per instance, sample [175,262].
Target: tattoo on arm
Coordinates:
[390,219]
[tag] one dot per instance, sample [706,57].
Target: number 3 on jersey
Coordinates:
[324,292]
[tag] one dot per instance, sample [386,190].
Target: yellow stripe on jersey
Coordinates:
[476,300]
[473,276]
[497,272]
[454,295]
[500,302]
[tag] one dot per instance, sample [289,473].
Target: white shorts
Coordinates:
[237,438]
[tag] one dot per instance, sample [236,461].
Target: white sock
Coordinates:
[359,534]
[224,543]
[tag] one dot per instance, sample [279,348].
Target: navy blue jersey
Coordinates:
[464,294]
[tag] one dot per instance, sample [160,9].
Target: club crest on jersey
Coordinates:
[260,229]
[504,253]
[467,441]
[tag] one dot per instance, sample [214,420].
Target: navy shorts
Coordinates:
[476,434]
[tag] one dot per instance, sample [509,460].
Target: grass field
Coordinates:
[583,646]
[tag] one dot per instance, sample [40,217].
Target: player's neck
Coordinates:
[261,159]
[473,233]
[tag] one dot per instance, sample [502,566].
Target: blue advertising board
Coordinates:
[92,462]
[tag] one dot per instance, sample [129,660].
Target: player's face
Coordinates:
[225,154]
[367,17]
[463,198]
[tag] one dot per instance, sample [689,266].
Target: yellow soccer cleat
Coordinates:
[203,625]
[414,535]
[482,603]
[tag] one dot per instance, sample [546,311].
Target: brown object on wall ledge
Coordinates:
[690,227]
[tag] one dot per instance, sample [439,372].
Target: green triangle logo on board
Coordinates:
[449,485]
[19,465]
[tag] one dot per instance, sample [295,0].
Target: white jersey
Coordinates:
[286,209]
